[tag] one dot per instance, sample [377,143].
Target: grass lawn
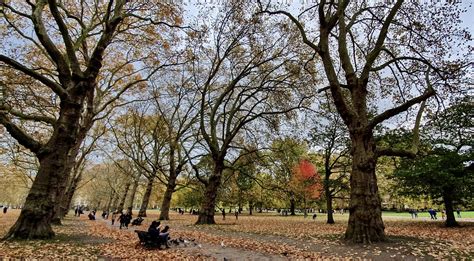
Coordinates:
[464,214]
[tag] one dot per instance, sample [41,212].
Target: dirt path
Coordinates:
[208,251]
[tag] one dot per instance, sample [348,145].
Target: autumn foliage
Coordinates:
[306,180]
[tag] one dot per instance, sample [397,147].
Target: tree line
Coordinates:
[203,97]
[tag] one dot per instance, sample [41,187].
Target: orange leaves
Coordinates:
[264,236]
[307,180]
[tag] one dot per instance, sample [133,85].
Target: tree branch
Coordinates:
[20,135]
[372,56]
[401,108]
[56,88]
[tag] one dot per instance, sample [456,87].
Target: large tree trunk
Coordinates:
[206,213]
[250,207]
[448,204]
[124,197]
[39,208]
[146,198]
[365,219]
[133,192]
[165,204]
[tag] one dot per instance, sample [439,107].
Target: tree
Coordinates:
[331,138]
[176,105]
[241,78]
[64,63]
[306,182]
[284,157]
[446,169]
[372,52]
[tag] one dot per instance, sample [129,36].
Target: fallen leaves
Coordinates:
[250,237]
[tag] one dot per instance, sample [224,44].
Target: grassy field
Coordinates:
[464,214]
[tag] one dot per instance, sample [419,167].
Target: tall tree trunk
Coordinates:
[146,198]
[133,192]
[39,208]
[250,207]
[115,201]
[165,204]
[292,206]
[448,204]
[365,218]
[124,196]
[330,219]
[109,202]
[206,213]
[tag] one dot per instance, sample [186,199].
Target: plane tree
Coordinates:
[244,70]
[76,60]
[380,60]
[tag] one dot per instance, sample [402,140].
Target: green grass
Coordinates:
[464,214]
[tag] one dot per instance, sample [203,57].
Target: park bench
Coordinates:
[147,241]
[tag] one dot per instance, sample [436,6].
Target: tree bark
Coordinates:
[166,203]
[146,198]
[330,219]
[292,206]
[206,214]
[133,192]
[124,197]
[250,207]
[365,219]
[448,204]
[39,208]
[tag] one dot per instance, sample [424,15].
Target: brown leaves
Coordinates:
[263,236]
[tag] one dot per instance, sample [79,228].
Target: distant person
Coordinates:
[5,209]
[458,212]
[76,212]
[415,212]
[314,216]
[223,214]
[434,214]
[121,219]
[236,215]
[114,216]
[91,216]
[431,212]
[443,214]
[128,219]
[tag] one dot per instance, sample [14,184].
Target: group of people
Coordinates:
[158,234]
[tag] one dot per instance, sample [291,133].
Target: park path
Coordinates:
[206,250]
[330,248]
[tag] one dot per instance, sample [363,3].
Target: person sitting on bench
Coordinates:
[154,230]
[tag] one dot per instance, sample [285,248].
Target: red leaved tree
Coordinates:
[306,182]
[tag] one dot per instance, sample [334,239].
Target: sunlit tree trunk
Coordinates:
[146,198]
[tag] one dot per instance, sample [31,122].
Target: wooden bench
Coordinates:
[147,241]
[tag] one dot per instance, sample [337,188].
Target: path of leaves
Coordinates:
[256,237]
